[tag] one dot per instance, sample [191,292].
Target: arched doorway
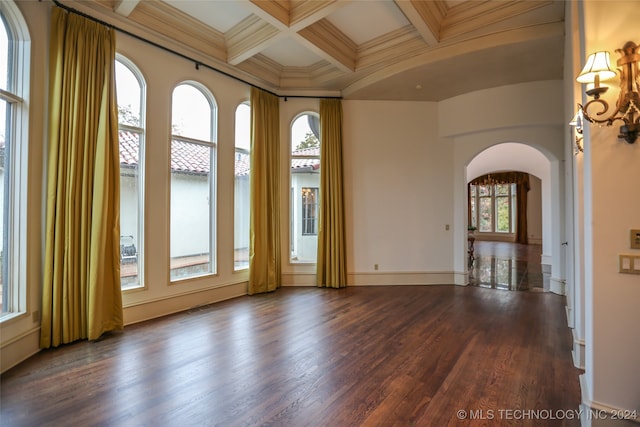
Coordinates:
[512,156]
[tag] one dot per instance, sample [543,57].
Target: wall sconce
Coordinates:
[576,123]
[597,69]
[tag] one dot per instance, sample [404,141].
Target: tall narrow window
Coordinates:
[309,211]
[130,88]
[502,202]
[193,198]
[305,181]
[485,211]
[241,188]
[14,79]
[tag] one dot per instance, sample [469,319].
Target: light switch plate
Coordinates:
[629,263]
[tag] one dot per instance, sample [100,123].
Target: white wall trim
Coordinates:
[19,349]
[557,285]
[569,313]
[384,278]
[578,351]
[402,278]
[170,304]
[596,414]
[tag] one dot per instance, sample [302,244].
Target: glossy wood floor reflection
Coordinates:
[359,356]
[507,266]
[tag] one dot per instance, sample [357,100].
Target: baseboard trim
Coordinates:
[597,414]
[569,313]
[384,278]
[578,351]
[401,278]
[19,349]
[158,307]
[557,285]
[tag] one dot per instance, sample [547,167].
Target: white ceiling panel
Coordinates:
[363,21]
[288,52]
[221,15]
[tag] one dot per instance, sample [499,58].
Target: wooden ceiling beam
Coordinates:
[426,17]
[331,44]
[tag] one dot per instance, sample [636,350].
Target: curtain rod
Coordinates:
[197,63]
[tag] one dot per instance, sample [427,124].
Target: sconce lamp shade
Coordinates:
[577,121]
[597,68]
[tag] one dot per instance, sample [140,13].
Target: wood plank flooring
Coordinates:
[359,356]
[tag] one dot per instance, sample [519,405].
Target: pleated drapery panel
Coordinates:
[331,263]
[522,188]
[264,243]
[81,296]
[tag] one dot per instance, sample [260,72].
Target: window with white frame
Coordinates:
[14,79]
[305,182]
[241,201]
[193,178]
[493,207]
[309,211]
[131,100]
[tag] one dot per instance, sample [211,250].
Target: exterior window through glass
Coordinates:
[192,182]
[309,211]
[14,151]
[305,182]
[493,208]
[131,136]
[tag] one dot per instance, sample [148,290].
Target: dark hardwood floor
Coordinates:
[374,356]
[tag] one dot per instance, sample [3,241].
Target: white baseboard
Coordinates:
[596,414]
[557,285]
[154,308]
[384,278]
[569,314]
[578,351]
[401,278]
[19,349]
[546,274]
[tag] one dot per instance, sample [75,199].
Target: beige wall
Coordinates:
[612,209]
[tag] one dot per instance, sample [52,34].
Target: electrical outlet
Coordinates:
[446,227]
[375,266]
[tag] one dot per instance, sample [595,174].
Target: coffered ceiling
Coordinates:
[363,49]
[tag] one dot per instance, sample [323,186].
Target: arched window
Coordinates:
[241,202]
[131,131]
[193,197]
[14,84]
[305,188]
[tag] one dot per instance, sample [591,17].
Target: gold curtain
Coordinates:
[81,295]
[521,180]
[264,244]
[331,263]
[522,187]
